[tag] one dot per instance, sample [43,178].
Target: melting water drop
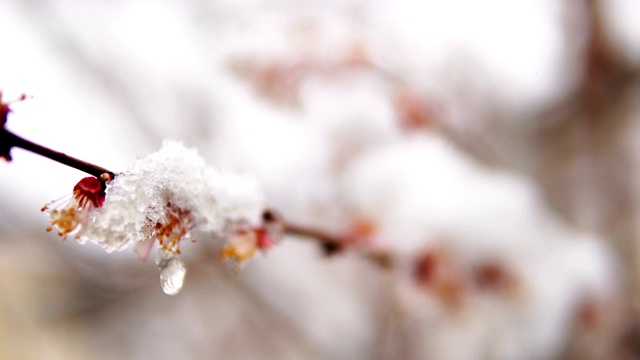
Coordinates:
[172,272]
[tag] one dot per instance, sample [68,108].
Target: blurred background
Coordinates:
[489,150]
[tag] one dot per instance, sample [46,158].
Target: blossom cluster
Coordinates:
[163,199]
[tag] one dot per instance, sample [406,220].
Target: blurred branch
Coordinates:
[332,244]
[584,159]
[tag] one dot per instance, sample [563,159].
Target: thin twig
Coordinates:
[9,140]
[332,244]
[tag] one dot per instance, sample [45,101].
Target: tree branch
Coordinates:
[9,140]
[331,244]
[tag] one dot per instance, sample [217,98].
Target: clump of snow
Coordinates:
[172,190]
[164,197]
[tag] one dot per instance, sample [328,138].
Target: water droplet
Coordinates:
[172,272]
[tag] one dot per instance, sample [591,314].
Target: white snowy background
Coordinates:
[517,220]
